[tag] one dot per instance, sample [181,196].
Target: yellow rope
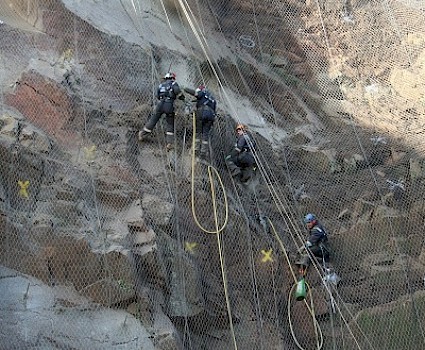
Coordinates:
[223,275]
[211,170]
[218,229]
[317,329]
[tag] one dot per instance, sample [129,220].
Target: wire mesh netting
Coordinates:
[111,242]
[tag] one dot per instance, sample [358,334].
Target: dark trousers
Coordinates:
[167,108]
[203,124]
[321,253]
[241,164]
[244,160]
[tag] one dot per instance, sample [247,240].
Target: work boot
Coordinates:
[245,179]
[234,169]
[169,138]
[235,172]
[303,260]
[299,262]
[246,175]
[142,134]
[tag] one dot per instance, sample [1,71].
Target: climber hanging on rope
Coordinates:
[205,115]
[167,93]
[241,161]
[316,245]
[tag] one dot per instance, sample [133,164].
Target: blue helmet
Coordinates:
[309,218]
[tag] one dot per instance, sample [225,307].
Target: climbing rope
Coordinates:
[258,307]
[211,171]
[218,228]
[359,142]
[168,170]
[318,331]
[166,15]
[283,207]
[272,190]
[225,284]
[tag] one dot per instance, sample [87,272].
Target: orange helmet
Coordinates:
[240,127]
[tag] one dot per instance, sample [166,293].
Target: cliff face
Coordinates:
[120,238]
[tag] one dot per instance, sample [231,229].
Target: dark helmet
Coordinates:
[310,218]
[170,76]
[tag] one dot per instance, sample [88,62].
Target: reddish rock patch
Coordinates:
[46,104]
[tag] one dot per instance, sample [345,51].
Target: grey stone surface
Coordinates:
[37,316]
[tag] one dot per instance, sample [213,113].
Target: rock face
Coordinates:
[53,102]
[56,317]
[108,243]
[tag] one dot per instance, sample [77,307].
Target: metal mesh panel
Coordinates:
[111,243]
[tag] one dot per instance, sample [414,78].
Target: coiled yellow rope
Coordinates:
[211,171]
[218,229]
[317,329]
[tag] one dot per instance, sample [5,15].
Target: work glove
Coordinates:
[182,97]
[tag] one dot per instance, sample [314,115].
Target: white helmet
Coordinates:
[170,76]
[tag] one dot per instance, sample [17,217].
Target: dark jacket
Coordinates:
[317,242]
[317,235]
[205,103]
[169,90]
[241,154]
[244,143]
[205,98]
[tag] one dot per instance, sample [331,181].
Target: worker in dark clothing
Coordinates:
[205,115]
[241,160]
[316,245]
[167,93]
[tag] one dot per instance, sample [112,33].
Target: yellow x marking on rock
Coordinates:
[67,54]
[23,186]
[267,255]
[89,152]
[189,246]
